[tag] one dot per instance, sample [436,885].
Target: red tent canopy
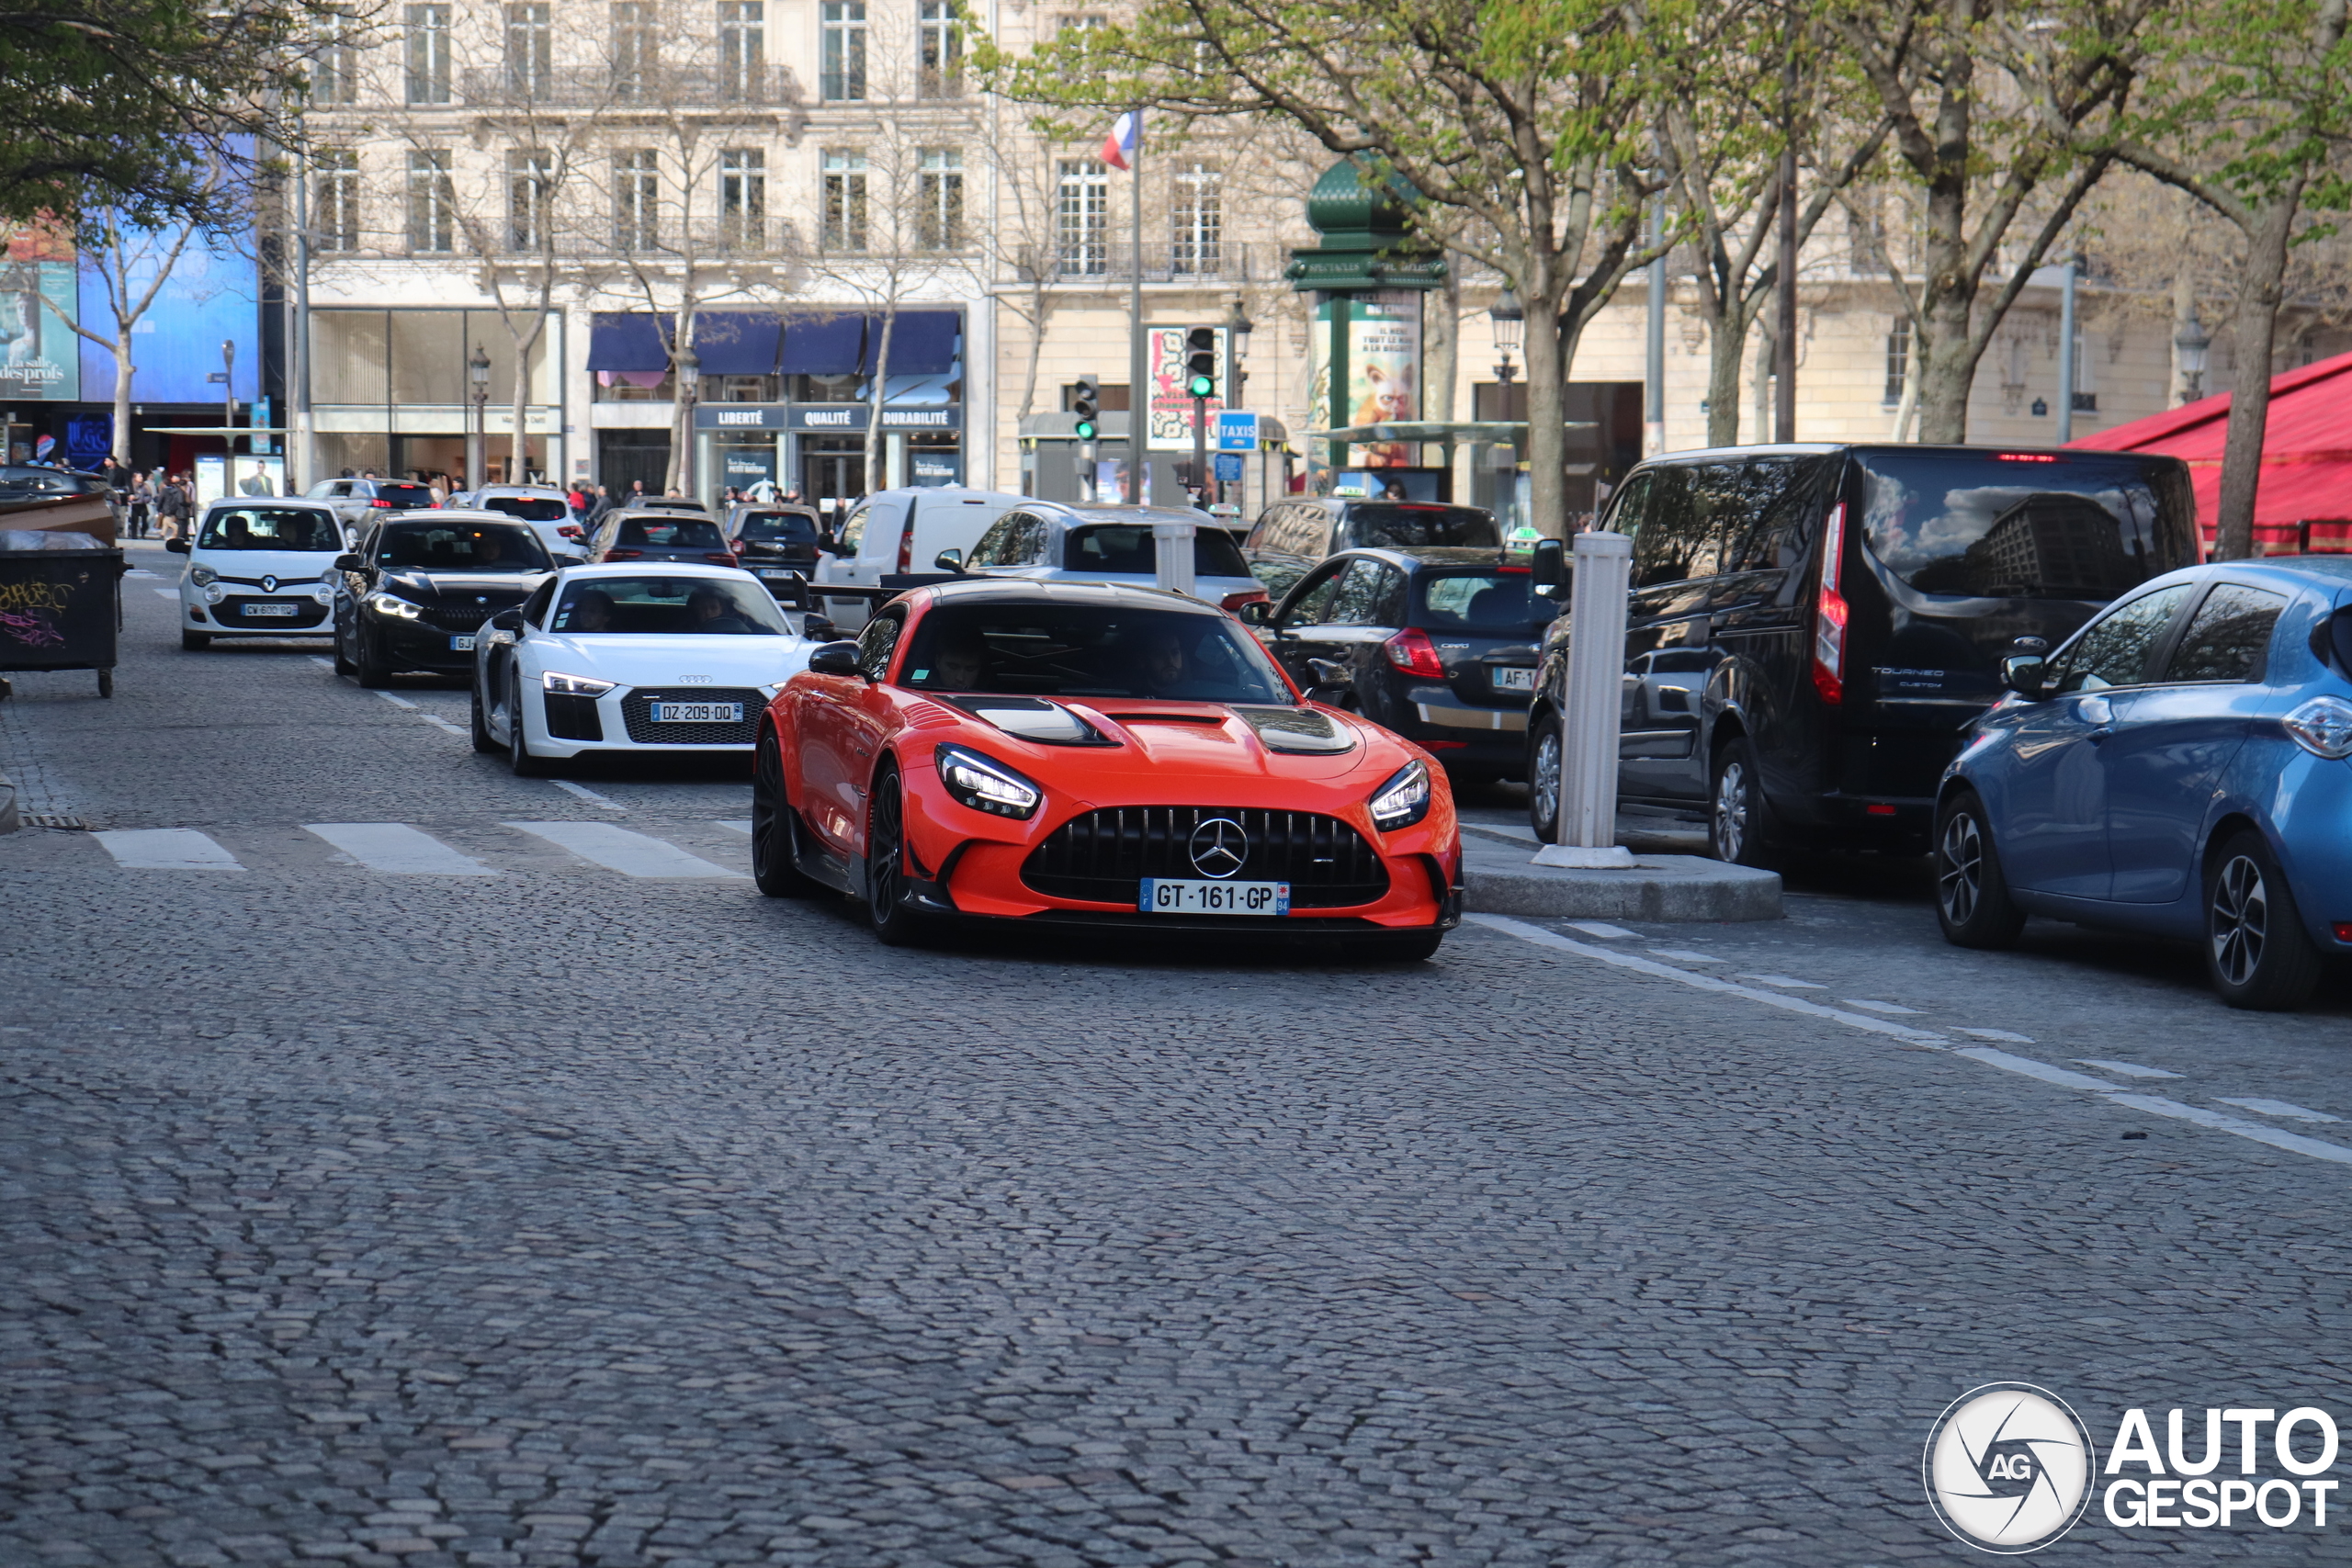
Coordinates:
[2304,500]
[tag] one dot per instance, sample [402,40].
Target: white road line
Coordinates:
[2066,1076]
[399,848]
[436,720]
[166,849]
[2124,1069]
[1503,830]
[1889,1008]
[743,828]
[2157,1105]
[165,592]
[1684,955]
[1601,929]
[618,849]
[322,663]
[2003,1036]
[139,572]
[2285,1108]
[396,702]
[1786,984]
[585,793]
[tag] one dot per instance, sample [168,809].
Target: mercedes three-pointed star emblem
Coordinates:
[1218,847]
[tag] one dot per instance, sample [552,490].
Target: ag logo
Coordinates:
[1219,846]
[2008,1467]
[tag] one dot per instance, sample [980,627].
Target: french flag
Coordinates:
[1120,145]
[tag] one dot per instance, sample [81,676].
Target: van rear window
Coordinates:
[2089,526]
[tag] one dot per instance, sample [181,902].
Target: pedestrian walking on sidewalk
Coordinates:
[142,504]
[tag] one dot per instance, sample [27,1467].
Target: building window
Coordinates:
[742,198]
[1199,219]
[335,71]
[939,217]
[844,225]
[841,76]
[432,202]
[530,176]
[634,46]
[939,50]
[428,54]
[1077,24]
[1898,361]
[742,51]
[530,48]
[334,219]
[1083,214]
[636,198]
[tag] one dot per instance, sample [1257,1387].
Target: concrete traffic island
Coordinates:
[1501,879]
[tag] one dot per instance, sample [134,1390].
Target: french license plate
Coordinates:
[461,643]
[289,611]
[1508,678]
[1161,896]
[776,573]
[697,712]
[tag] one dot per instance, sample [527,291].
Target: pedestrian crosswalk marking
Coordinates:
[166,849]
[618,849]
[743,828]
[167,592]
[399,848]
[585,793]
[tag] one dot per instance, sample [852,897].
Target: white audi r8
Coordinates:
[649,657]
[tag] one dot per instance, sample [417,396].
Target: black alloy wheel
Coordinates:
[374,672]
[518,742]
[343,664]
[1738,822]
[2257,951]
[885,874]
[776,827]
[1546,760]
[1972,902]
[483,741]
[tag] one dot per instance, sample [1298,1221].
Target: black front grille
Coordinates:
[636,712]
[1102,855]
[463,618]
[232,612]
[574,718]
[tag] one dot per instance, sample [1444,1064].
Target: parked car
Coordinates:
[1811,628]
[1293,533]
[2181,767]
[1437,645]
[544,507]
[30,481]
[416,592]
[258,567]
[1046,541]
[1081,755]
[631,658]
[641,534]
[360,501]
[776,542]
[899,534]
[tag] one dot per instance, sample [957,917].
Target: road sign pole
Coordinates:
[1201,446]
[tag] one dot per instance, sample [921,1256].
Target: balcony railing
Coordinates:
[1231,260]
[598,86]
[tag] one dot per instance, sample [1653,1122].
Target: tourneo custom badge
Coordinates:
[2008,1467]
[1219,846]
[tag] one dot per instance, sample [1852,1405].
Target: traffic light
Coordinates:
[1200,362]
[1085,399]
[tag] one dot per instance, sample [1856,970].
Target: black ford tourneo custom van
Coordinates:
[1811,628]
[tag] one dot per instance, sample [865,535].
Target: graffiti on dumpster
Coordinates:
[29,612]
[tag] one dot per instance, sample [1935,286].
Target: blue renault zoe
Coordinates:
[2181,766]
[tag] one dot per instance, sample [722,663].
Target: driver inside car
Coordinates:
[1166,670]
[710,612]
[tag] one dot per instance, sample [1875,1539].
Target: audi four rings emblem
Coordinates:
[1219,846]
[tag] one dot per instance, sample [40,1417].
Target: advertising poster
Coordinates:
[40,355]
[212,296]
[1171,410]
[1383,371]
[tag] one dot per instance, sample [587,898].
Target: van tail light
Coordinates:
[622,555]
[719,557]
[907,544]
[1235,600]
[1411,651]
[1829,613]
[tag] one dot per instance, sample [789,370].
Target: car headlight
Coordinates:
[986,785]
[214,592]
[2322,726]
[203,576]
[399,609]
[559,685]
[1404,799]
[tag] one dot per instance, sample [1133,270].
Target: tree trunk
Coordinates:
[1443,367]
[1767,356]
[1547,402]
[1037,347]
[1947,371]
[681,418]
[879,393]
[2256,321]
[123,371]
[1726,350]
[518,448]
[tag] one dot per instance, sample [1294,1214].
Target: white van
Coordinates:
[899,533]
[260,566]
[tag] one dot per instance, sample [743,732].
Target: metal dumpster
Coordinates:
[61,589]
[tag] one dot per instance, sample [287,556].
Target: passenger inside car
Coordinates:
[668,606]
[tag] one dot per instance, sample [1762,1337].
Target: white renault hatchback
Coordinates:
[633,658]
[259,566]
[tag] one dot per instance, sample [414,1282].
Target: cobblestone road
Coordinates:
[575,1216]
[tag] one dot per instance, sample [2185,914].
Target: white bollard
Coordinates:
[1172,556]
[1589,718]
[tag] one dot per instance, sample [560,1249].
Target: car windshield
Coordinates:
[405,496]
[706,606]
[529,508]
[778,528]
[1090,651]
[1410,527]
[1481,604]
[2027,525]
[462,546]
[671,534]
[271,528]
[1126,550]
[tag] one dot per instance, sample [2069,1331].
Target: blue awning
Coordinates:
[827,344]
[922,343]
[625,340]
[737,342]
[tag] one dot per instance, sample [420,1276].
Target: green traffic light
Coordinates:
[1086,430]
[1204,387]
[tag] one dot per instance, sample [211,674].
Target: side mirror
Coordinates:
[178,547]
[834,659]
[506,621]
[1256,613]
[1330,675]
[351,563]
[822,630]
[1550,565]
[949,560]
[2030,645]
[2024,673]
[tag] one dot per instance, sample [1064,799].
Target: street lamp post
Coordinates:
[1509,322]
[2190,344]
[1238,327]
[477,373]
[228,412]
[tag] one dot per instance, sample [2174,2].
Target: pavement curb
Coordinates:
[1501,880]
[9,820]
